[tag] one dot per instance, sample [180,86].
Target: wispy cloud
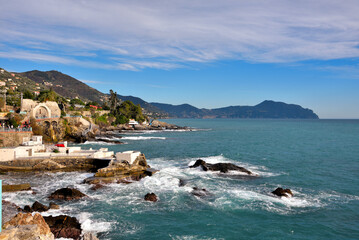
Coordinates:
[173,34]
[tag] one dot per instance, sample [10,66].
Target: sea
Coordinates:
[317,159]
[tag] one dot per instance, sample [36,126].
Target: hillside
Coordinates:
[70,87]
[266,109]
[65,85]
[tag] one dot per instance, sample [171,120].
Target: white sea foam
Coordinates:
[89,225]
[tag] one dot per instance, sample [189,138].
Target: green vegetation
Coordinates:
[127,110]
[28,95]
[48,95]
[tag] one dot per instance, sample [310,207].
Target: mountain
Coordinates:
[65,85]
[266,109]
[70,87]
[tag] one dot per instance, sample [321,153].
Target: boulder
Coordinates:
[67,194]
[182,183]
[96,186]
[221,167]
[39,207]
[280,192]
[52,205]
[9,210]
[27,208]
[64,226]
[26,226]
[200,192]
[89,236]
[151,197]
[16,187]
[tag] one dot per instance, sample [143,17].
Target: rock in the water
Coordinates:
[182,183]
[67,194]
[26,226]
[17,187]
[89,236]
[200,192]
[9,210]
[39,207]
[283,192]
[28,209]
[96,186]
[53,205]
[64,226]
[121,171]
[151,197]
[222,167]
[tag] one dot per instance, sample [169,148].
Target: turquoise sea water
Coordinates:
[317,159]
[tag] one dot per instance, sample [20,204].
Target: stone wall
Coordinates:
[13,139]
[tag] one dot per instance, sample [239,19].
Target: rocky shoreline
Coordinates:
[123,172]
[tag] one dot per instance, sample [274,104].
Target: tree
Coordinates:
[47,95]
[28,95]
[113,101]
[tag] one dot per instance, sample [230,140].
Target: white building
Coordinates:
[133,122]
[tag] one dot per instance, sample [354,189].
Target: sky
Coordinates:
[206,53]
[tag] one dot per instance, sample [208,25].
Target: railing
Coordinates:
[7,129]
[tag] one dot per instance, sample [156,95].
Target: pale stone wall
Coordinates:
[13,139]
[7,154]
[129,156]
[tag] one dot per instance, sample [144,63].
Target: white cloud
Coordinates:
[171,34]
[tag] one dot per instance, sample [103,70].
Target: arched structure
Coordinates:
[41,111]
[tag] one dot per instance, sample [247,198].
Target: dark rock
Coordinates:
[283,192]
[182,183]
[222,167]
[96,186]
[27,208]
[64,226]
[39,207]
[200,192]
[53,205]
[151,197]
[67,194]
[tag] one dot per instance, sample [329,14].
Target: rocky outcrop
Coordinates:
[48,165]
[67,194]
[151,197]
[9,210]
[39,207]
[122,172]
[64,226]
[221,167]
[280,192]
[25,226]
[17,187]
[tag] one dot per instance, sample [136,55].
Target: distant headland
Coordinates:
[68,87]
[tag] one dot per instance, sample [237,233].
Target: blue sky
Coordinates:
[203,52]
